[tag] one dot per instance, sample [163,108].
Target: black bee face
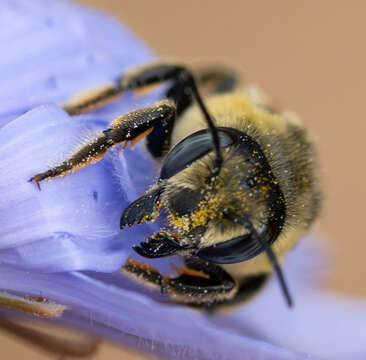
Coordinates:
[245,188]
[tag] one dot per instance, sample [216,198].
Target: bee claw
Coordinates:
[35,179]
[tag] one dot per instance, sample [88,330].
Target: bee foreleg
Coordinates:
[222,78]
[92,99]
[214,79]
[181,92]
[126,128]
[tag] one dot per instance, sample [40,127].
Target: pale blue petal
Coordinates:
[131,318]
[54,50]
[73,223]
[321,326]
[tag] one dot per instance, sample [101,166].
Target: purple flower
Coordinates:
[64,243]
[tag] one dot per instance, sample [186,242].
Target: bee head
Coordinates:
[245,186]
[230,215]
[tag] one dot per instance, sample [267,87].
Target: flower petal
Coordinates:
[54,49]
[73,223]
[320,325]
[133,319]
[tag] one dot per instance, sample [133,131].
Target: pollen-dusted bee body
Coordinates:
[238,182]
[290,154]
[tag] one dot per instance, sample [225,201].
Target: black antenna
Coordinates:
[212,127]
[271,256]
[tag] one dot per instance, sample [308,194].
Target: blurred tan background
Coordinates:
[311,57]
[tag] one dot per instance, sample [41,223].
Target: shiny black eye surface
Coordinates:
[191,149]
[235,250]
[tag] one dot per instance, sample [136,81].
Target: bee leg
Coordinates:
[92,99]
[223,79]
[182,91]
[199,282]
[144,273]
[213,79]
[145,208]
[177,74]
[126,128]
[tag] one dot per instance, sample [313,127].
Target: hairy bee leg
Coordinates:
[223,79]
[52,344]
[128,127]
[144,273]
[178,74]
[218,79]
[158,245]
[92,99]
[33,306]
[198,283]
[202,282]
[145,208]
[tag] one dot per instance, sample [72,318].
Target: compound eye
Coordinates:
[191,149]
[232,251]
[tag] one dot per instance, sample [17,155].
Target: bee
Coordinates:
[238,181]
